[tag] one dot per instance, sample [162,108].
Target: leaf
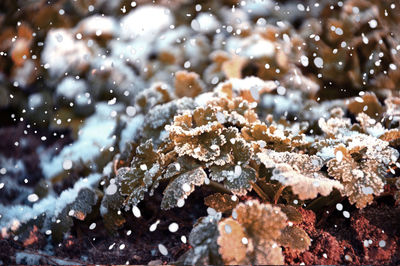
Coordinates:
[261,221]
[198,135]
[292,213]
[304,186]
[203,239]
[241,184]
[78,209]
[220,202]
[272,137]
[188,84]
[109,208]
[181,187]
[230,241]
[143,175]
[360,166]
[267,253]
[368,104]
[303,162]
[236,178]
[337,125]
[295,238]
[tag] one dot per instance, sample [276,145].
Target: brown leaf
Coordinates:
[220,202]
[231,247]
[294,238]
[188,84]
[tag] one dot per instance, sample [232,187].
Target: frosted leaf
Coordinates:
[175,192]
[302,162]
[143,176]
[274,137]
[70,54]
[231,248]
[237,184]
[304,186]
[370,125]
[335,126]
[261,221]
[78,209]
[268,253]
[393,108]
[362,168]
[194,134]
[392,136]
[203,239]
[158,93]
[162,115]
[188,84]
[249,88]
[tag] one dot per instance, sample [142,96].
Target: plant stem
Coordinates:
[217,186]
[259,191]
[278,194]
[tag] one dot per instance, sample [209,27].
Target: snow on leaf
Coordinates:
[79,209]
[337,125]
[268,253]
[195,134]
[303,162]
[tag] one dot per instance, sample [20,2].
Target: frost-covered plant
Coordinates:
[361,166]
[253,234]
